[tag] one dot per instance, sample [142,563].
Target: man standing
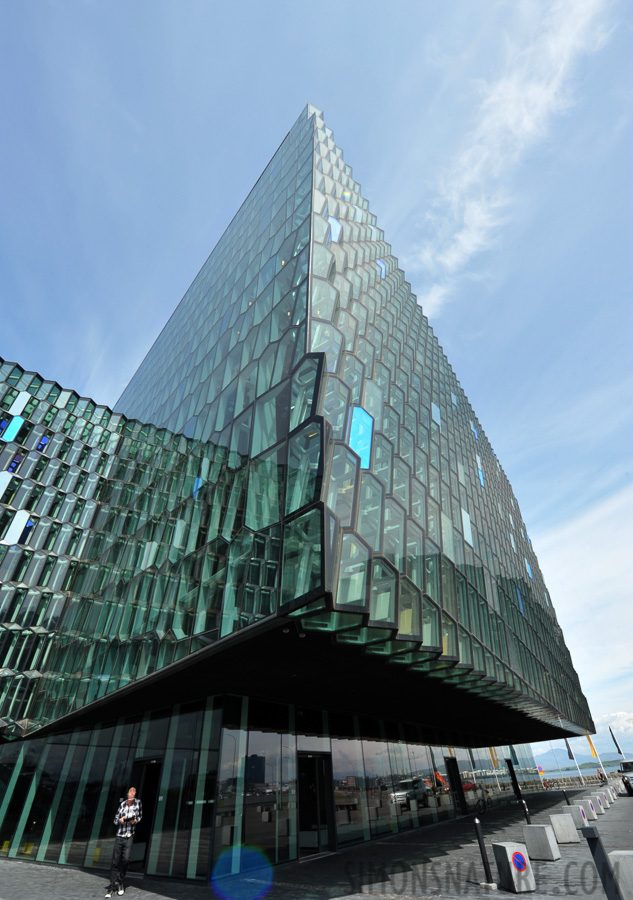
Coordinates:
[127,818]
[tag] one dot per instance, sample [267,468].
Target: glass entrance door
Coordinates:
[146,780]
[316,803]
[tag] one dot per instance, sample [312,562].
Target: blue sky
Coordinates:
[492,140]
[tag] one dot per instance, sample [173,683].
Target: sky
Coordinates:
[493,143]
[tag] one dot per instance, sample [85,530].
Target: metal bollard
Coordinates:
[567,800]
[527,812]
[482,849]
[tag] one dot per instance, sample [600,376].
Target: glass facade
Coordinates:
[292,510]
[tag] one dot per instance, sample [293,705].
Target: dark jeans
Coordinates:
[120,859]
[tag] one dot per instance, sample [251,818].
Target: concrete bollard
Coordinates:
[613,792]
[541,842]
[598,804]
[565,829]
[622,864]
[515,871]
[578,814]
[590,809]
[605,799]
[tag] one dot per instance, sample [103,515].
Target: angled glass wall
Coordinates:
[294,481]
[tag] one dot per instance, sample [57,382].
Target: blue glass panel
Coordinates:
[14,426]
[196,487]
[360,434]
[435,410]
[335,228]
[27,531]
[383,268]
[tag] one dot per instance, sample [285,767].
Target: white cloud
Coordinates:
[587,567]
[515,112]
[620,722]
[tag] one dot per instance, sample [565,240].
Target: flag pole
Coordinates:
[556,759]
[593,750]
[570,753]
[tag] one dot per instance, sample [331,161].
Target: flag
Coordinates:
[593,749]
[569,750]
[615,742]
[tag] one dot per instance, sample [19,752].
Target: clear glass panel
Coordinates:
[302,392]
[335,404]
[409,618]
[415,554]
[342,486]
[394,536]
[379,782]
[384,589]
[271,419]
[304,456]
[353,573]
[326,339]
[383,461]
[370,511]
[433,571]
[430,624]
[352,819]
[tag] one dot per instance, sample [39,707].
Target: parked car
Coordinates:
[410,789]
[626,771]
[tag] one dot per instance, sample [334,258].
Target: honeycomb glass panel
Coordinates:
[302,556]
[304,463]
[353,574]
[370,511]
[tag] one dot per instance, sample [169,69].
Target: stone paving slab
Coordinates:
[440,860]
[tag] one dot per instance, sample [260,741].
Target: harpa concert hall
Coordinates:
[284,588]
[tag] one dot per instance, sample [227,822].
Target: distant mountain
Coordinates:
[553,759]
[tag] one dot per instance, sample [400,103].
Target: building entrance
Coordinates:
[316,803]
[146,779]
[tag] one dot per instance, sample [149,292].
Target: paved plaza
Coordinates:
[440,860]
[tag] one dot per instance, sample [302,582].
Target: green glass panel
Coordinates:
[302,556]
[265,489]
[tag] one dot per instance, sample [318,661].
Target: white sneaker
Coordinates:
[109,894]
[121,891]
